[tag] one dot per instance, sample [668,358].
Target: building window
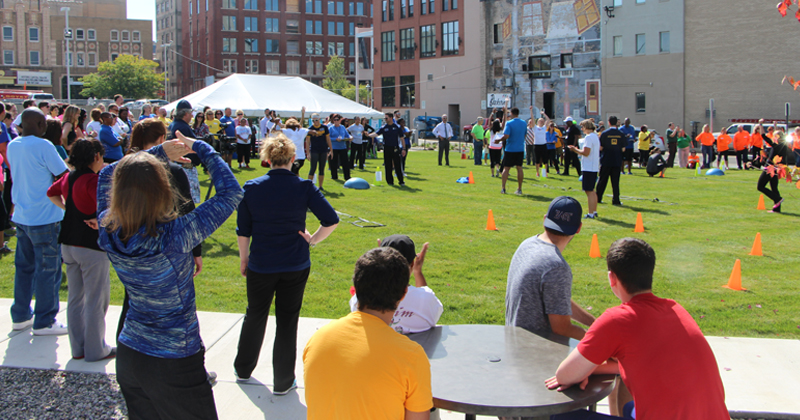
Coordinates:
[8,33]
[292,26]
[293,67]
[352,49]
[229,65]
[340,28]
[251,24]
[251,66]
[331,28]
[309,47]
[229,45]
[352,67]
[271,6]
[407,91]
[402,9]
[427,38]
[407,44]
[331,49]
[293,6]
[640,43]
[293,47]
[617,3]
[34,58]
[114,35]
[450,38]
[80,35]
[663,42]
[617,46]
[318,68]
[360,9]
[432,6]
[228,23]
[640,103]
[539,66]
[8,57]
[226,4]
[340,49]
[126,36]
[272,46]
[445,4]
[340,8]
[81,60]
[424,9]
[273,67]
[314,6]
[566,61]
[497,33]
[318,48]
[640,1]
[91,34]
[114,57]
[250,45]
[387,46]
[310,67]
[137,36]
[387,91]
[33,34]
[92,59]
[352,29]
[272,26]
[250,5]
[410,8]
[453,4]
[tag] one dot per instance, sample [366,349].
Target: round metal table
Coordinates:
[500,371]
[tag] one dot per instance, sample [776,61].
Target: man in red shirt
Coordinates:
[653,343]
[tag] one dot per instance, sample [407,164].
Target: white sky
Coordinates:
[143,9]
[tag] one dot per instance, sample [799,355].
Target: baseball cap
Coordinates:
[404,245]
[568,119]
[184,104]
[564,215]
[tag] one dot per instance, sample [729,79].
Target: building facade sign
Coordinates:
[34,78]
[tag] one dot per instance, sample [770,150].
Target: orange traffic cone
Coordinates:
[639,224]
[471,179]
[756,251]
[761,203]
[490,221]
[735,282]
[594,250]
[463,155]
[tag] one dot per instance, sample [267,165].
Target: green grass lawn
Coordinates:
[698,227]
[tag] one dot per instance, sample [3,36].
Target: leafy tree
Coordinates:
[350,93]
[335,79]
[128,75]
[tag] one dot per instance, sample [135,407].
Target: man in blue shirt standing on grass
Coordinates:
[111,142]
[514,136]
[393,150]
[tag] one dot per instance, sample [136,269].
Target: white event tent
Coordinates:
[286,95]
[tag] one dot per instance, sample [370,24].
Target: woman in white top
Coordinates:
[591,164]
[496,147]
[243,133]
[93,128]
[294,131]
[357,147]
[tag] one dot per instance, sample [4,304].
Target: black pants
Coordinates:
[673,150]
[288,289]
[243,153]
[340,159]
[530,154]
[126,304]
[393,159]
[602,181]
[571,158]
[357,154]
[553,158]
[444,148]
[6,222]
[772,191]
[156,388]
[756,151]
[298,163]
[741,158]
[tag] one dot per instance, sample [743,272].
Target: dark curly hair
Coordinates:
[380,279]
[83,152]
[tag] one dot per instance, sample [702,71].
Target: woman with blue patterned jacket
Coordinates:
[160,356]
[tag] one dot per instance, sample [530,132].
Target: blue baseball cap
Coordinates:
[564,215]
[184,104]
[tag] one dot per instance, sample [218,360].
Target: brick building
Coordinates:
[291,37]
[34,47]
[168,43]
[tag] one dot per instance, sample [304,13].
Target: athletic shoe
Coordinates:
[630,173]
[402,184]
[112,354]
[294,386]
[503,191]
[590,216]
[775,210]
[77,357]
[5,249]
[241,379]
[618,204]
[518,192]
[56,328]
[778,204]
[19,326]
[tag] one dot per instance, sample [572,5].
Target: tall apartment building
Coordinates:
[34,47]
[428,58]
[663,60]
[287,37]
[168,43]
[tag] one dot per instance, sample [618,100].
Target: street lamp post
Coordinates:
[164,67]
[67,36]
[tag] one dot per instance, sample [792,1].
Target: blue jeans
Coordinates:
[38,271]
[478,151]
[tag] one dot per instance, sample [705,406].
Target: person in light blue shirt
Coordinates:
[109,139]
[514,136]
[35,164]
[339,139]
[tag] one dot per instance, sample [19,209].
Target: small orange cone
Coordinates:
[463,155]
[594,251]
[761,203]
[735,282]
[756,251]
[639,224]
[471,179]
[490,221]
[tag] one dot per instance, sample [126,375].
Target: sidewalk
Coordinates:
[760,375]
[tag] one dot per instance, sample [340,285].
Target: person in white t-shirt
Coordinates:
[243,133]
[357,148]
[591,164]
[294,131]
[93,128]
[420,309]
[540,142]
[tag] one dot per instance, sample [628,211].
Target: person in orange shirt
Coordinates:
[723,144]
[693,160]
[757,139]
[740,143]
[706,139]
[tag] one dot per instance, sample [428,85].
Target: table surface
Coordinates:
[500,371]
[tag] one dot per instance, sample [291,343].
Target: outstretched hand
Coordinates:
[552,383]
[176,150]
[420,258]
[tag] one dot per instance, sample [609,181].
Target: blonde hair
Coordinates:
[278,150]
[292,124]
[71,115]
[587,125]
[141,195]
[706,128]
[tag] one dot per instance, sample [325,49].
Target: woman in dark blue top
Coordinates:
[276,260]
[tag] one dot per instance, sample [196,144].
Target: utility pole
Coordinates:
[67,37]
[164,68]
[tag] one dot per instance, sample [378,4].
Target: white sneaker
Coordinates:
[56,329]
[519,192]
[240,379]
[19,326]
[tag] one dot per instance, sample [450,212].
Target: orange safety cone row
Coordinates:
[756,250]
[761,203]
[735,282]
[639,224]
[594,250]
[490,222]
